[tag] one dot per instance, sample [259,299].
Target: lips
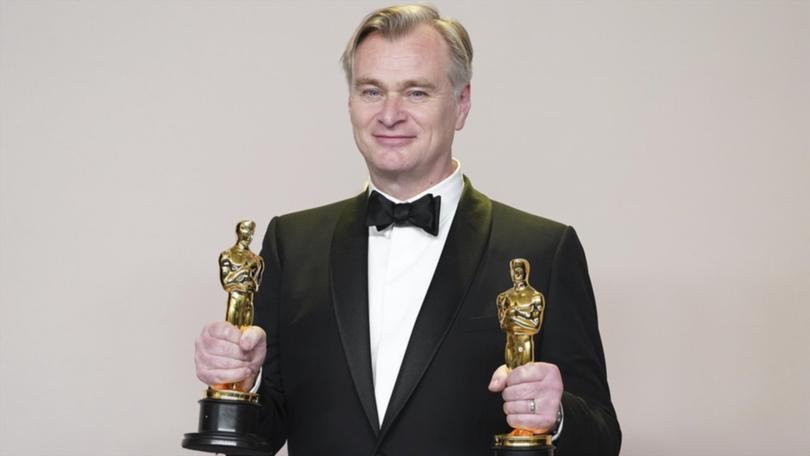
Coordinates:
[393,140]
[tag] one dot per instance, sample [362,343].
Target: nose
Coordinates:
[391,113]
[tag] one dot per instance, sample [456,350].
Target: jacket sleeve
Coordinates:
[570,339]
[267,303]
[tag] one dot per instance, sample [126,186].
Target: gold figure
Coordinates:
[240,273]
[520,313]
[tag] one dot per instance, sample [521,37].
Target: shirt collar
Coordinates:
[450,189]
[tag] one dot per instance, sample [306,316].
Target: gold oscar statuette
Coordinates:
[520,313]
[229,414]
[240,273]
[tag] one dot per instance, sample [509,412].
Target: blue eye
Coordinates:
[371,93]
[417,94]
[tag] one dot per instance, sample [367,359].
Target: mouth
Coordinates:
[393,140]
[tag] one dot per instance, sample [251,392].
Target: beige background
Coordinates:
[675,136]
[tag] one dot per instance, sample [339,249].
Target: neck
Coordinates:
[403,187]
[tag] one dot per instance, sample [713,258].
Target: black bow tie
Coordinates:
[423,212]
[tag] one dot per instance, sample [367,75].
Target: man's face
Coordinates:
[403,109]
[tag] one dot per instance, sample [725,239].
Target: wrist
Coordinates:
[558,425]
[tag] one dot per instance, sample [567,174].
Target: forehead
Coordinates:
[422,52]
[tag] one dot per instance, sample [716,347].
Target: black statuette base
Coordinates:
[523,451]
[228,427]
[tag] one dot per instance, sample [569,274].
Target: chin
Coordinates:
[389,161]
[390,171]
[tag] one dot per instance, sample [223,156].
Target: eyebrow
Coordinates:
[424,83]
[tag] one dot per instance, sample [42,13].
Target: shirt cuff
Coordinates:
[559,428]
[259,382]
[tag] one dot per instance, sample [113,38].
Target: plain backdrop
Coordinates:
[675,137]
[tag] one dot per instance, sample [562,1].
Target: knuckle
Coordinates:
[507,394]
[212,328]
[255,364]
[206,362]
[259,353]
[220,378]
[204,376]
[524,390]
[219,363]
[257,332]
[535,423]
[512,393]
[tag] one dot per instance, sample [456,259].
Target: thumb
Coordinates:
[251,336]
[498,382]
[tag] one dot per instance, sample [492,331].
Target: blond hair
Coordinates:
[396,21]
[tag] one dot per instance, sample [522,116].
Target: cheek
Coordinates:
[361,115]
[444,119]
[426,119]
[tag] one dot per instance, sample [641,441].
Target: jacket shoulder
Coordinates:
[516,219]
[315,217]
[308,230]
[520,234]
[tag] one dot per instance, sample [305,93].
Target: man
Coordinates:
[380,325]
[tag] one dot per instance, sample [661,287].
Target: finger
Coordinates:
[537,423]
[522,391]
[543,406]
[521,407]
[207,361]
[248,383]
[252,336]
[542,393]
[532,372]
[223,376]
[218,347]
[223,330]
[498,381]
[257,355]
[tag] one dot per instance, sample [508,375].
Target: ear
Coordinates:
[463,104]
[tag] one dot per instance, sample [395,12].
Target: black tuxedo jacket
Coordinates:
[317,390]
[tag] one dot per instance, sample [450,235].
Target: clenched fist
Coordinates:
[225,355]
[531,395]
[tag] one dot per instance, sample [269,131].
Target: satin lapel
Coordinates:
[349,281]
[454,274]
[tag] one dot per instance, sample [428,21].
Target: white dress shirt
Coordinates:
[401,263]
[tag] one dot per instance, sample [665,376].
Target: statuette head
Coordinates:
[244,232]
[519,270]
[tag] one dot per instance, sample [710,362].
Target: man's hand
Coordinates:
[537,382]
[224,355]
